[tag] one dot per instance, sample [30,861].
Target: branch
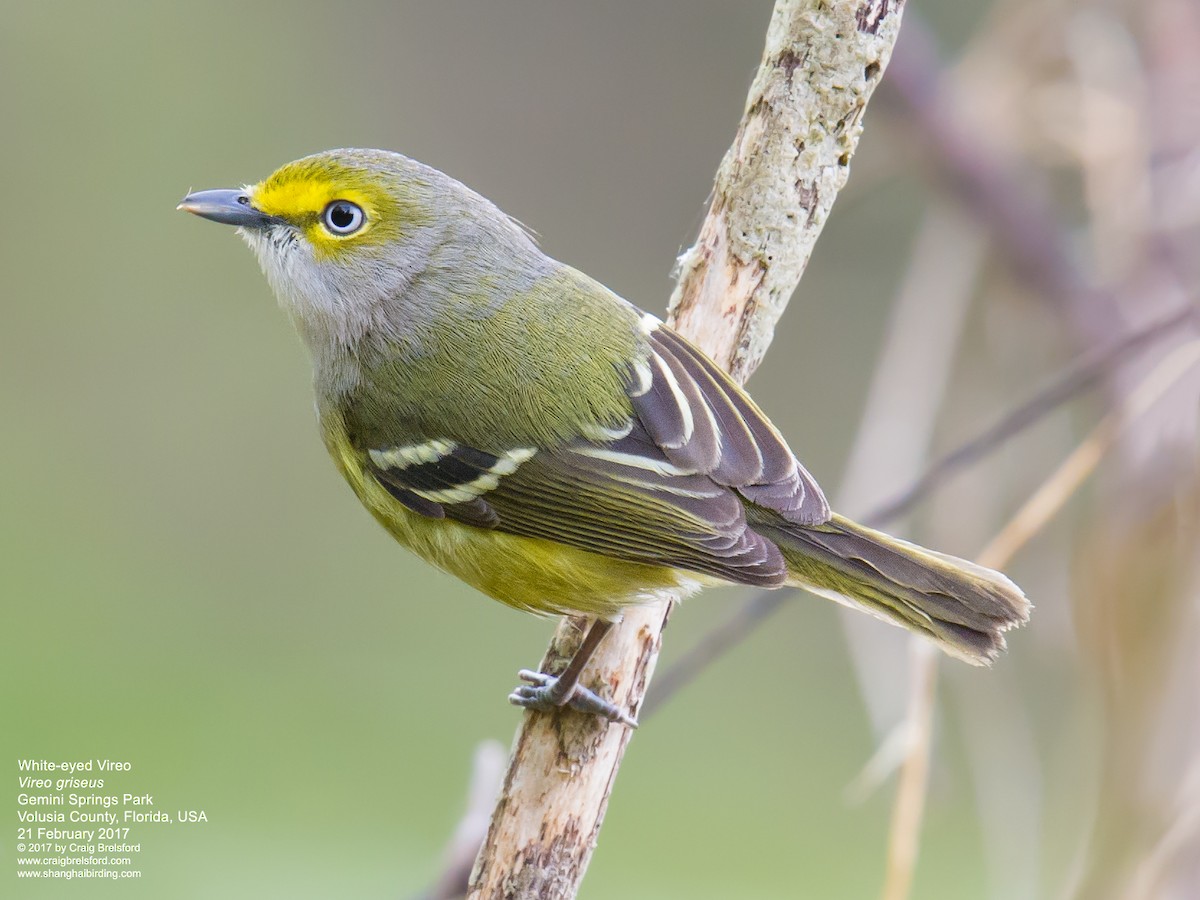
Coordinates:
[772,195]
[778,181]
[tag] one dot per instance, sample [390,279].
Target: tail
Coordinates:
[963,607]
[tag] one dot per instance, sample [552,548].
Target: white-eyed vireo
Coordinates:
[517,424]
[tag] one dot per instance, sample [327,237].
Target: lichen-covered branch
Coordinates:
[772,195]
[778,181]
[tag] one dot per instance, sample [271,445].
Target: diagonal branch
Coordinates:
[772,195]
[1082,375]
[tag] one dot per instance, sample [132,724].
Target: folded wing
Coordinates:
[667,487]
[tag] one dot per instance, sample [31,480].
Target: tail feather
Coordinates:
[964,607]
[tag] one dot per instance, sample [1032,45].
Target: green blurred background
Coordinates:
[186,583]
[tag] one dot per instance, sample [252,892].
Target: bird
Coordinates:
[517,424]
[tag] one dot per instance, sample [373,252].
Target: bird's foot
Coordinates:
[544,693]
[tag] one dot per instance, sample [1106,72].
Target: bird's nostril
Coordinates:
[243,199]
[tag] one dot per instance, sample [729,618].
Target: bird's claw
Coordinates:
[543,693]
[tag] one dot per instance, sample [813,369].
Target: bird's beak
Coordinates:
[226,207]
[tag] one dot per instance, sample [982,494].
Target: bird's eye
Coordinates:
[341,217]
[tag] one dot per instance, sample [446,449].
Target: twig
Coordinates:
[487,769]
[1081,376]
[1033,241]
[1179,838]
[904,834]
[772,194]
[913,372]
[714,644]
[1046,501]
[1075,380]
[1083,461]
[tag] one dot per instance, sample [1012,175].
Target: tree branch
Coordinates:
[772,195]
[778,181]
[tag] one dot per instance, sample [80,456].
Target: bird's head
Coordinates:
[336,233]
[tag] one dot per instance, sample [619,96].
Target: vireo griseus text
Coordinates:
[518,425]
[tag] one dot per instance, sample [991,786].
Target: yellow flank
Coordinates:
[534,575]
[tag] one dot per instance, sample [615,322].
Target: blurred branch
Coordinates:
[913,372]
[1180,839]
[714,644]
[908,809]
[1025,227]
[1032,517]
[1083,461]
[487,771]
[1075,380]
[773,191]
[1081,376]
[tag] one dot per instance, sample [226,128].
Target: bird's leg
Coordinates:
[548,692]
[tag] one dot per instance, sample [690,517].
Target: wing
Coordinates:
[668,487]
[701,421]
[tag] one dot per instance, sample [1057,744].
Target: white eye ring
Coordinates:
[341,217]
